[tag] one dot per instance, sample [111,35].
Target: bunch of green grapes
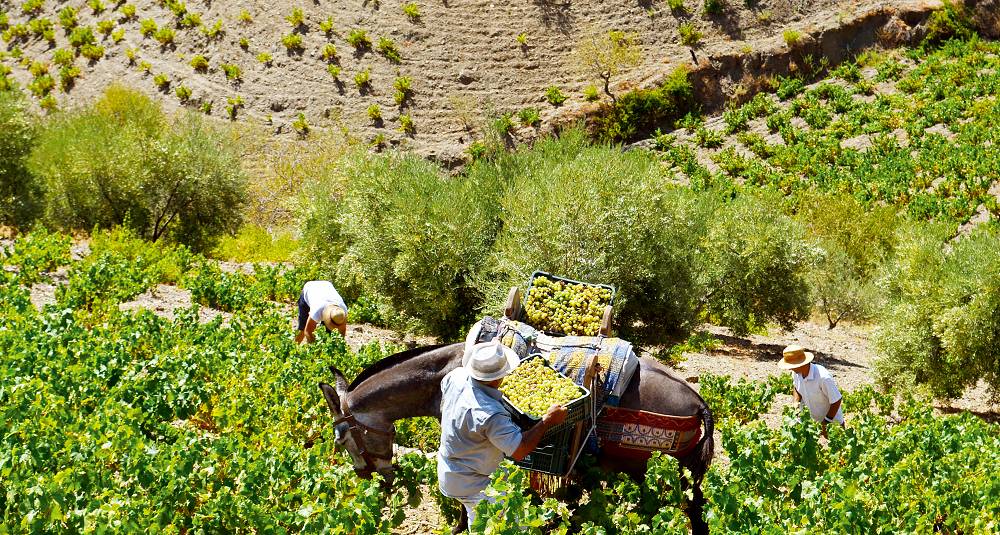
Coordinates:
[568,308]
[533,387]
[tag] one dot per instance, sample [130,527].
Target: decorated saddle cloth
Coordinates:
[637,434]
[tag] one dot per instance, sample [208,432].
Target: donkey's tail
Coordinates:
[705,450]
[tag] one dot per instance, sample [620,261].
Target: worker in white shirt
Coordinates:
[320,303]
[813,386]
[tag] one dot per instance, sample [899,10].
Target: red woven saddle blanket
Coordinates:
[636,434]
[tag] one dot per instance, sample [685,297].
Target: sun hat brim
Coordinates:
[512,362]
[333,316]
[785,365]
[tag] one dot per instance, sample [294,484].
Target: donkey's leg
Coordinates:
[695,507]
[463,522]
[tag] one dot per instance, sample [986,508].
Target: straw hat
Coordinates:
[793,357]
[490,361]
[333,315]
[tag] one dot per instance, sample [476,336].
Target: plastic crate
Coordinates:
[580,409]
[552,455]
[523,315]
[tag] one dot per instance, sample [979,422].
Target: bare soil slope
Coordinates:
[463,55]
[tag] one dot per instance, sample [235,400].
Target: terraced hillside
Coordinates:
[293,65]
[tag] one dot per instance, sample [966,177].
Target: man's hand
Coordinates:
[555,415]
[530,438]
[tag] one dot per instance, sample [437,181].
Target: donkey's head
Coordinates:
[369,446]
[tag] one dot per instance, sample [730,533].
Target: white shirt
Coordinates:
[476,433]
[318,294]
[818,391]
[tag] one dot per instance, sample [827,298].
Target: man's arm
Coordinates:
[342,328]
[834,407]
[310,329]
[796,397]
[530,438]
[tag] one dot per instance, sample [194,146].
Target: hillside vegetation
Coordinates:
[296,66]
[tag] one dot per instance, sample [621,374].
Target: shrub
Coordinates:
[162,81]
[375,113]
[406,124]
[233,72]
[404,89]
[607,207]
[855,244]
[105,27]
[792,37]
[214,31]
[387,47]
[145,67]
[950,20]
[63,57]
[206,107]
[412,11]
[642,111]
[42,27]
[363,79]
[358,38]
[328,52]
[296,18]
[677,6]
[554,96]
[38,68]
[67,18]
[245,17]
[183,93]
[690,36]
[265,58]
[199,63]
[32,7]
[941,327]
[756,262]
[127,11]
[233,106]
[244,43]
[300,125]
[165,36]
[82,35]
[48,103]
[529,117]
[605,55]
[121,161]
[92,52]
[714,7]
[97,6]
[67,77]
[326,26]
[147,27]
[421,270]
[131,54]
[118,35]
[334,71]
[292,42]
[20,193]
[591,94]
[190,20]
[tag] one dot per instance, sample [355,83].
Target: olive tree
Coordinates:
[122,161]
[941,327]
[19,192]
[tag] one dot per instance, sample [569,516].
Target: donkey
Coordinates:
[408,384]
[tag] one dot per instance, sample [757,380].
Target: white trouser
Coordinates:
[470,503]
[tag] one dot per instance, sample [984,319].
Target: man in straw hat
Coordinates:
[476,429]
[813,386]
[320,303]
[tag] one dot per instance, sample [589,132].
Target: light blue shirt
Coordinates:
[476,433]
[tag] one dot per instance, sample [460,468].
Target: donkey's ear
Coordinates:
[340,381]
[332,399]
